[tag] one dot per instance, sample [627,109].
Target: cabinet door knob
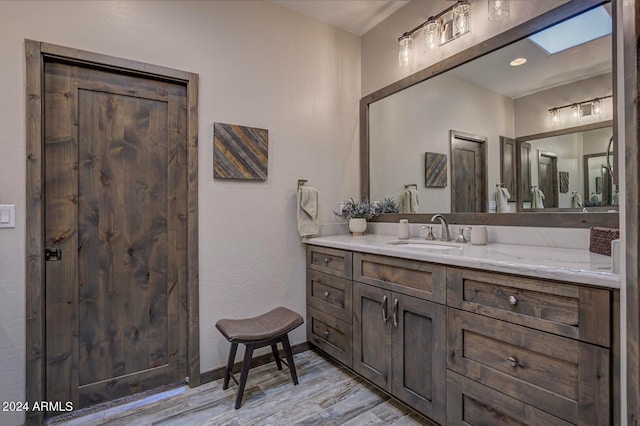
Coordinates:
[384,309]
[513,362]
[326,294]
[513,300]
[326,334]
[326,260]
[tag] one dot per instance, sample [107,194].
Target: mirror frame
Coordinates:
[540,219]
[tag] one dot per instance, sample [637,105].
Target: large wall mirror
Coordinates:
[542,126]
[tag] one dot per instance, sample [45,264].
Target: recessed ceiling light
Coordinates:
[517,62]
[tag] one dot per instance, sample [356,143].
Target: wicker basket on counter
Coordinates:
[600,240]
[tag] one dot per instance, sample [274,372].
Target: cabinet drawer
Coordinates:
[330,334]
[330,294]
[470,403]
[573,311]
[330,261]
[411,277]
[564,377]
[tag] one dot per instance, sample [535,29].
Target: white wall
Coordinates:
[409,123]
[260,65]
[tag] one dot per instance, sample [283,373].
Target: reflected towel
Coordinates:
[502,200]
[576,199]
[409,201]
[537,199]
[308,221]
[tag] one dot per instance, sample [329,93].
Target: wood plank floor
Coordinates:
[328,394]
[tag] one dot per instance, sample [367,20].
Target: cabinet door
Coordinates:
[372,334]
[419,355]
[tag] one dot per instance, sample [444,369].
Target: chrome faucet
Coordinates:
[444,233]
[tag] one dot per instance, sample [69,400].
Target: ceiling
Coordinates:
[354,16]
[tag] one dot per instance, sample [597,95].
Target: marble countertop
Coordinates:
[570,265]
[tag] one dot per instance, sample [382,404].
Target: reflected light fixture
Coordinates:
[405,55]
[578,109]
[517,62]
[498,9]
[461,18]
[430,32]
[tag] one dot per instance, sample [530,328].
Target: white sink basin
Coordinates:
[427,245]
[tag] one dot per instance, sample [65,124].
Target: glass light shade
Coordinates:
[405,55]
[498,9]
[554,115]
[461,18]
[575,111]
[430,32]
[596,106]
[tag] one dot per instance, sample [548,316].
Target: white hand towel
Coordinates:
[409,201]
[308,221]
[576,199]
[502,200]
[537,199]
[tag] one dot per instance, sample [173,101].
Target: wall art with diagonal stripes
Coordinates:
[240,152]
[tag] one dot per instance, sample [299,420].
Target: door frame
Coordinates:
[35,53]
[555,196]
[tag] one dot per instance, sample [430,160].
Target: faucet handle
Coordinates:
[461,238]
[430,235]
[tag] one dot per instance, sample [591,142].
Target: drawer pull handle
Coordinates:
[326,260]
[326,294]
[384,309]
[513,362]
[326,334]
[512,300]
[395,313]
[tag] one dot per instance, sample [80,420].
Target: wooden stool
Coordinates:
[264,330]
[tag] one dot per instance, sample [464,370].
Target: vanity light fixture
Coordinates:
[578,109]
[439,29]
[430,32]
[461,18]
[498,9]
[405,55]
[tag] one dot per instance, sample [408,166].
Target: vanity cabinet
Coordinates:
[329,301]
[538,346]
[399,339]
[464,346]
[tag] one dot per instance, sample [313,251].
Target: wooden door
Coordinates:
[525,166]
[548,177]
[468,173]
[419,355]
[372,334]
[115,208]
[508,165]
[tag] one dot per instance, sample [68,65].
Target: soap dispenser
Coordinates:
[403,229]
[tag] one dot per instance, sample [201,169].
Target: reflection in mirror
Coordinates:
[570,169]
[492,99]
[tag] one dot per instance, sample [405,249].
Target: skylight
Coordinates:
[578,30]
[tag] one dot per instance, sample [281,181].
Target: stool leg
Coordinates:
[232,357]
[287,351]
[276,355]
[246,365]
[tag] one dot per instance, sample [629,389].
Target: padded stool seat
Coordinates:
[264,330]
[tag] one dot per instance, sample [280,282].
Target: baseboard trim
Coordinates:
[218,373]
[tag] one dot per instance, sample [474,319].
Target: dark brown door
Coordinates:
[372,334]
[115,173]
[508,165]
[419,355]
[548,177]
[468,173]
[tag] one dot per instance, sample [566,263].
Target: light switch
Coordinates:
[8,216]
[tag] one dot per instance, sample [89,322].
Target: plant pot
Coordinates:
[357,226]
